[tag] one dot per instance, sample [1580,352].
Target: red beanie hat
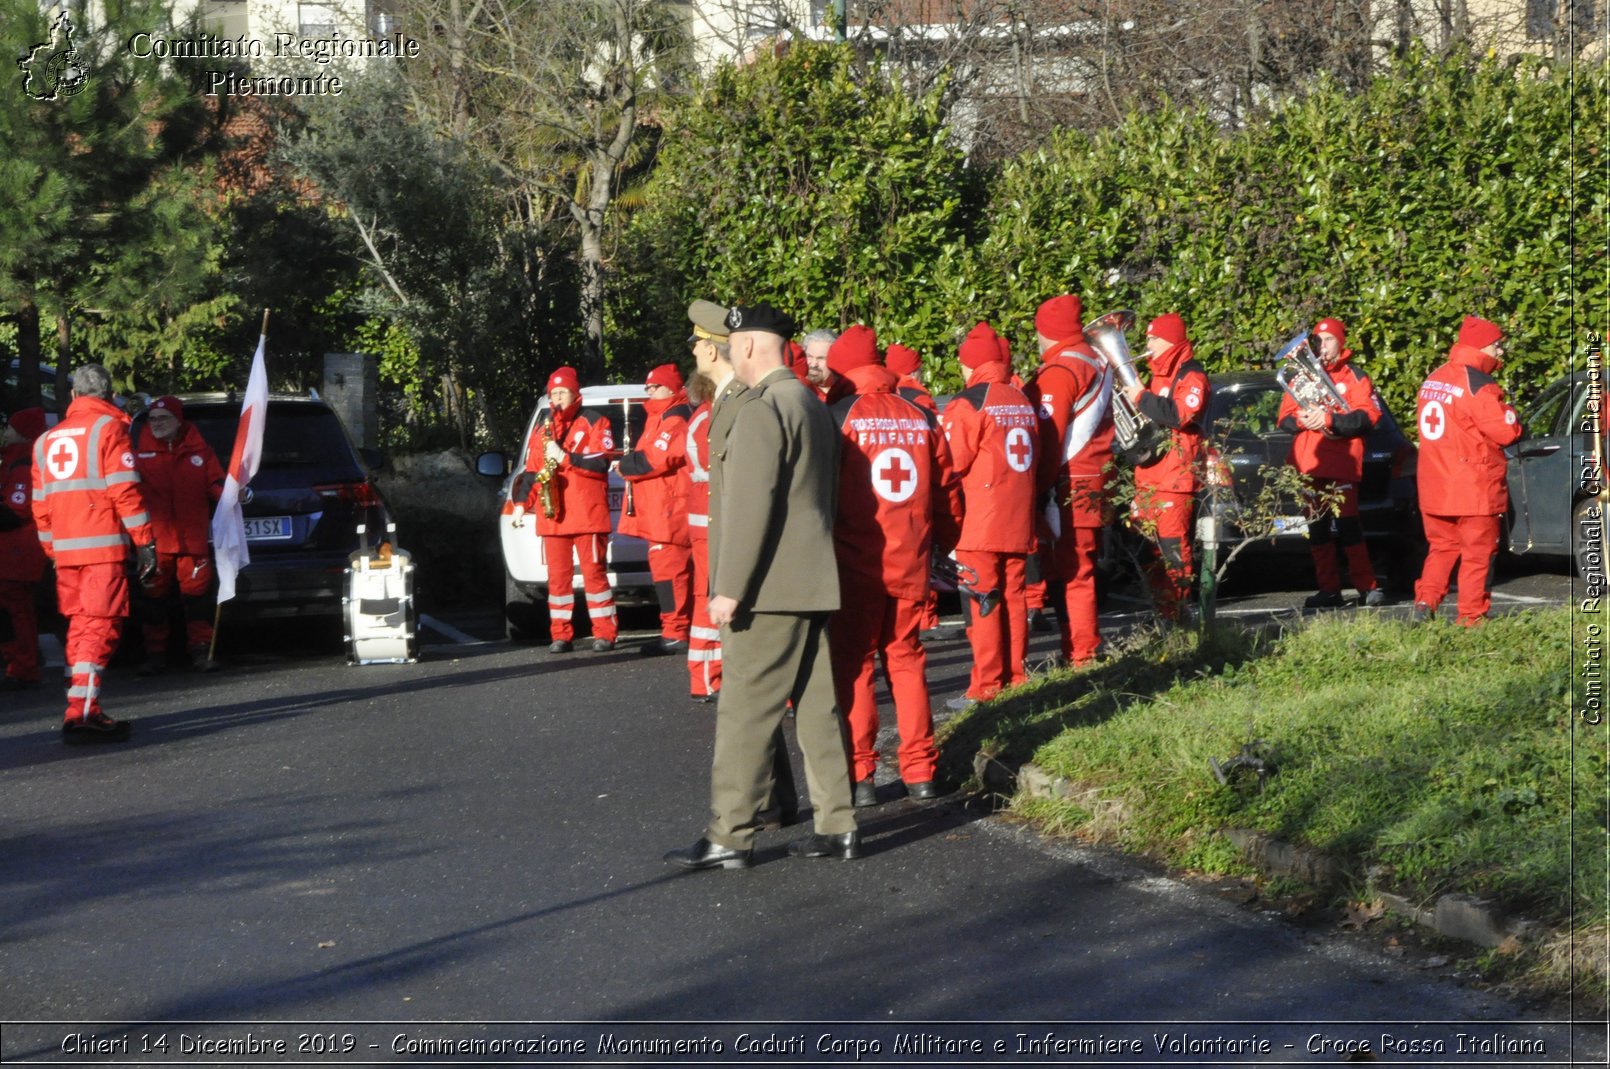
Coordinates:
[1061,318]
[566,377]
[29,422]
[1332,326]
[168,404]
[665,375]
[981,346]
[900,360]
[1169,326]
[856,347]
[1479,332]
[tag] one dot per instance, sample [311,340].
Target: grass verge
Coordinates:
[1441,758]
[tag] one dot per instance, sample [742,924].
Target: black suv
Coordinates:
[302,509]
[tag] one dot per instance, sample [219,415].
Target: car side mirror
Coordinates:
[374,458]
[492,465]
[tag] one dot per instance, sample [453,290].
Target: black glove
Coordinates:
[145,561]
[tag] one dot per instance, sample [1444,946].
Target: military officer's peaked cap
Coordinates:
[709,320]
[760,317]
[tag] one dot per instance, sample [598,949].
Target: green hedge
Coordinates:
[1446,188]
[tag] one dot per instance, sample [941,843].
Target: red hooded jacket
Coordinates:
[893,471]
[991,429]
[1072,392]
[1176,398]
[581,483]
[21,558]
[696,449]
[182,481]
[87,500]
[659,491]
[1465,423]
[1338,451]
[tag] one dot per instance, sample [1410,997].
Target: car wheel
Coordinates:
[524,616]
[1587,538]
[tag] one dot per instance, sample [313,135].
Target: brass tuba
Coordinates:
[1302,374]
[1141,442]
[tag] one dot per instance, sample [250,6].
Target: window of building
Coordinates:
[225,18]
[1544,17]
[316,20]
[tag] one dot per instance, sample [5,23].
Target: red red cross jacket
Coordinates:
[181,479]
[659,490]
[1338,451]
[87,498]
[581,483]
[21,558]
[991,429]
[1072,393]
[915,392]
[1176,398]
[697,451]
[1465,423]
[893,471]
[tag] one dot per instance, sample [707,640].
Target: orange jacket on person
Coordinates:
[22,560]
[893,470]
[182,480]
[696,450]
[82,465]
[654,469]
[1465,423]
[581,482]
[1175,398]
[1338,451]
[992,431]
[1072,392]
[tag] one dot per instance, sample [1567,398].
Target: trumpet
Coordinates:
[947,572]
[1302,374]
[1141,442]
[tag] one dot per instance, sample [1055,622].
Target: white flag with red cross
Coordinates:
[230,553]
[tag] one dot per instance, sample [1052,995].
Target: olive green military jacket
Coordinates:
[773,491]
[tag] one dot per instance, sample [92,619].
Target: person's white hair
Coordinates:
[818,335]
[92,380]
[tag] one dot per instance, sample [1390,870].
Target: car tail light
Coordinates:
[358,494]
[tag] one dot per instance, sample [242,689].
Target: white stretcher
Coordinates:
[382,622]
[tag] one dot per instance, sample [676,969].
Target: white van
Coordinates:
[525,570]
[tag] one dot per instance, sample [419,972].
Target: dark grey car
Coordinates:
[1549,497]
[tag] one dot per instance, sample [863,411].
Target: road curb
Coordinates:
[1458,916]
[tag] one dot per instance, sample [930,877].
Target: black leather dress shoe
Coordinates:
[922,791]
[705,854]
[865,794]
[846,846]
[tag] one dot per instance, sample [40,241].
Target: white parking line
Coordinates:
[1523,598]
[448,631]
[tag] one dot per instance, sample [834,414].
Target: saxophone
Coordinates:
[550,506]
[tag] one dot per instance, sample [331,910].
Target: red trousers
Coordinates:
[561,553]
[1000,640]
[704,638]
[1469,541]
[21,651]
[1171,568]
[871,623]
[94,598]
[193,576]
[1327,546]
[672,568]
[1073,565]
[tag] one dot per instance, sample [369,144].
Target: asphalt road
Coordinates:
[401,855]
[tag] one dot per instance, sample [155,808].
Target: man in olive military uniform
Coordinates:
[774,481]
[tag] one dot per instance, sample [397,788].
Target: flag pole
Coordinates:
[218,606]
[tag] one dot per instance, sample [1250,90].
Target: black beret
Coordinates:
[762,317]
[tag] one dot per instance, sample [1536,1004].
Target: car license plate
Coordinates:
[268,528]
[1291,525]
